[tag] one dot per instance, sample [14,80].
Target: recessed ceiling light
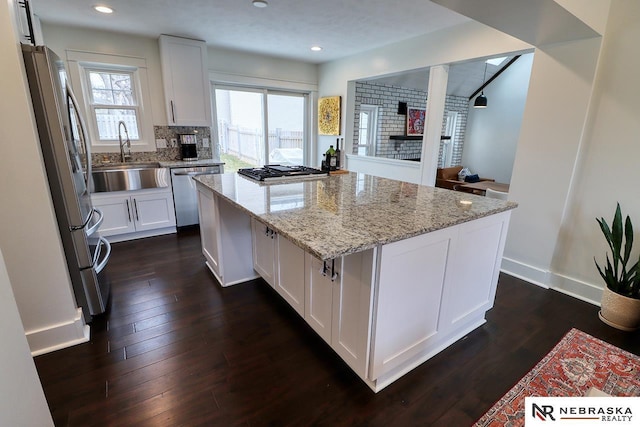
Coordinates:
[260,3]
[316,48]
[103,9]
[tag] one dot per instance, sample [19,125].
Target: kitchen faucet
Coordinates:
[124,157]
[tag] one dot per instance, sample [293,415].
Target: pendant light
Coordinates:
[481,100]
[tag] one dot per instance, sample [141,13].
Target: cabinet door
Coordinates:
[352,302]
[208,212]
[153,210]
[471,284]
[290,283]
[186,81]
[118,213]
[264,251]
[410,287]
[318,297]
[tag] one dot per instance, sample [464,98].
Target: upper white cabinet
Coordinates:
[186,81]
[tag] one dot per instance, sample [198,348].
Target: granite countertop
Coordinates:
[343,214]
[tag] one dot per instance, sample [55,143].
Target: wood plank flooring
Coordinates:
[176,349]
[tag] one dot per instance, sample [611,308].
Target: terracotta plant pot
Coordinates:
[619,311]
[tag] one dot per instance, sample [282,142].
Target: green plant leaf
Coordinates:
[628,240]
[616,238]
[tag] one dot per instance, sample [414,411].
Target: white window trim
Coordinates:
[372,129]
[80,61]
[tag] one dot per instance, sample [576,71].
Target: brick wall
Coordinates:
[386,97]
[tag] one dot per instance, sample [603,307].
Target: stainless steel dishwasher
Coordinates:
[185,197]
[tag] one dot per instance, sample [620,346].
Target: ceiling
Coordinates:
[286,28]
[464,77]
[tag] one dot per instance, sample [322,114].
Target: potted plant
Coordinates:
[620,305]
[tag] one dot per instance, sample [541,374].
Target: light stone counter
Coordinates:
[344,214]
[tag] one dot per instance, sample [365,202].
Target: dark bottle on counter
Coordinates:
[331,158]
[337,153]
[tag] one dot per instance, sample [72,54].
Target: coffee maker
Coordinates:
[188,147]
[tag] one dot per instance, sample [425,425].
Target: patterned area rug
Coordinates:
[577,363]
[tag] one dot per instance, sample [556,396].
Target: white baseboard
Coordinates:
[576,288]
[529,273]
[141,234]
[56,337]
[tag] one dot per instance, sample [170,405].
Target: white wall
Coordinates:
[60,38]
[29,235]
[560,89]
[22,401]
[492,133]
[608,162]
[462,42]
[224,64]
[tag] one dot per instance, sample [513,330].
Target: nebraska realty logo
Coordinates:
[582,411]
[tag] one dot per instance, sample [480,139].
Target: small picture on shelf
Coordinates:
[415,121]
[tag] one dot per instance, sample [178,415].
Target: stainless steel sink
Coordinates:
[129,176]
[122,166]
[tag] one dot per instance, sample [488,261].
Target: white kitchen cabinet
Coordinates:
[208,216]
[186,81]
[134,214]
[225,234]
[318,297]
[338,307]
[352,310]
[435,287]
[290,273]
[264,251]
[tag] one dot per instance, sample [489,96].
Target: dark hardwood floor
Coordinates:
[177,349]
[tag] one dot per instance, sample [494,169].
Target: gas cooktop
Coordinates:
[281,172]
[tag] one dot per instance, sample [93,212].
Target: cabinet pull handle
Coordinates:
[128,210]
[323,270]
[334,274]
[173,113]
[135,208]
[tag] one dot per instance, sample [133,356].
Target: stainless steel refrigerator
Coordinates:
[67,160]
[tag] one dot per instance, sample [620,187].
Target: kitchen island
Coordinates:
[388,273]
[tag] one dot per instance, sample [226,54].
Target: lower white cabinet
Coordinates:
[133,214]
[385,310]
[280,263]
[208,216]
[225,234]
[290,276]
[318,306]
[264,251]
[338,304]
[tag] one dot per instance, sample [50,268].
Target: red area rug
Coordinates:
[577,363]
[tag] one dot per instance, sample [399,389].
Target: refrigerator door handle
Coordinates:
[85,224]
[98,223]
[100,266]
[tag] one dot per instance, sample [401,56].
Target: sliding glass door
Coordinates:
[260,126]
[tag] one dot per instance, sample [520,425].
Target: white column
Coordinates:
[436,95]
